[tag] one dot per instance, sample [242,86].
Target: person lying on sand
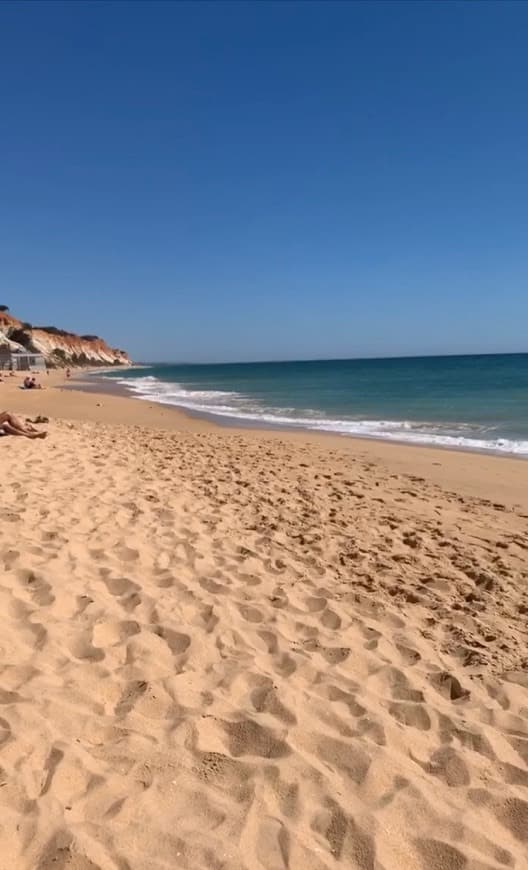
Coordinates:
[31,384]
[11,425]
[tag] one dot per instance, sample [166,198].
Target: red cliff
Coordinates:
[59,347]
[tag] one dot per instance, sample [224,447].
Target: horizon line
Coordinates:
[328,359]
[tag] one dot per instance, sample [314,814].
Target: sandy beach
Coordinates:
[235,649]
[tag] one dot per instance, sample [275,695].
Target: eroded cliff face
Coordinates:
[59,347]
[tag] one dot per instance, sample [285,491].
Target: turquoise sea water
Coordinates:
[475,402]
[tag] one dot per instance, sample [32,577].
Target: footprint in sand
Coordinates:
[335,655]
[346,758]
[38,588]
[346,841]
[61,853]
[251,614]
[133,691]
[81,647]
[232,776]
[437,855]
[272,844]
[315,604]
[5,731]
[284,665]
[119,586]
[111,633]
[334,693]
[448,686]
[177,642]
[330,620]
[163,579]
[270,641]
[54,759]
[513,814]
[10,557]
[249,738]
[411,715]
[211,586]
[409,656]
[126,554]
[265,700]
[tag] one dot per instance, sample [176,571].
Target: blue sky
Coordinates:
[235,181]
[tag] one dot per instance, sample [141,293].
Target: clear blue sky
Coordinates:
[234,181]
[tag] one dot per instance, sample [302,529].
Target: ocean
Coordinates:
[472,402]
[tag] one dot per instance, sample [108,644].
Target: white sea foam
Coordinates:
[236,406]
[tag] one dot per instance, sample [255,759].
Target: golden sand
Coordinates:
[229,649]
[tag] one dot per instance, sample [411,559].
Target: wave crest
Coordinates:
[238,407]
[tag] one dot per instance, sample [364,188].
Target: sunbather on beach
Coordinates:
[11,425]
[31,384]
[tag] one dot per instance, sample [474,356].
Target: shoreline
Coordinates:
[491,476]
[225,421]
[105,386]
